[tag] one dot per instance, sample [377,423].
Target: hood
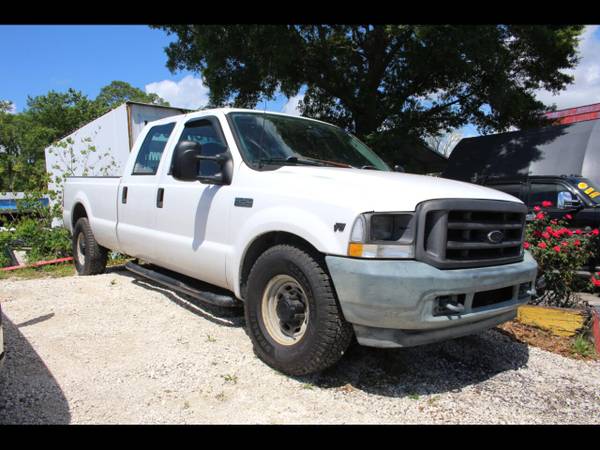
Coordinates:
[372,190]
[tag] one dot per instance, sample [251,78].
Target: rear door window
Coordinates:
[148,158]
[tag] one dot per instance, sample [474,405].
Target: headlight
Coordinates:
[383,235]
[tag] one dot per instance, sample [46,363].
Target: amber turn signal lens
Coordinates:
[355,249]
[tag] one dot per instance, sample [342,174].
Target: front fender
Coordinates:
[300,222]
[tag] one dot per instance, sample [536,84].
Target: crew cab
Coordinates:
[309,230]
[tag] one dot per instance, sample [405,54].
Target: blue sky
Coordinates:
[40,58]
[36,59]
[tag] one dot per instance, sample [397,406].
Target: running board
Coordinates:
[217,299]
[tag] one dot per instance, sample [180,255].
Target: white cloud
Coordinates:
[586,84]
[291,107]
[189,92]
[12,108]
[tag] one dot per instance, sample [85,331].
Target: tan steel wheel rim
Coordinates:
[285,310]
[81,249]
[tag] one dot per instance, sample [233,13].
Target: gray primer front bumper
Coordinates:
[390,302]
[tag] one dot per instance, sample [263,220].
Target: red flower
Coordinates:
[546,204]
[568,216]
[577,231]
[542,245]
[595,281]
[537,233]
[525,245]
[556,248]
[577,243]
[537,208]
[546,235]
[595,232]
[554,221]
[564,243]
[540,216]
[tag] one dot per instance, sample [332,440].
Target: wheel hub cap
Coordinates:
[285,309]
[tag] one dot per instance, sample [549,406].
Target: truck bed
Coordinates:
[99,197]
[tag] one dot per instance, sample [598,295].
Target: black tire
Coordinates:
[95,255]
[327,334]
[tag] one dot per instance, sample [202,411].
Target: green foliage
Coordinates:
[45,242]
[582,346]
[397,81]
[559,252]
[117,92]
[62,112]
[5,240]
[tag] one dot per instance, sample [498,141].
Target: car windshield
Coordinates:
[587,188]
[271,139]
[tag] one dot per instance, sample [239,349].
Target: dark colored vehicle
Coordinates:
[568,195]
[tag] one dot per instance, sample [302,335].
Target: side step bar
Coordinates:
[213,298]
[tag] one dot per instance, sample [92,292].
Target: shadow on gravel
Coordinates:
[29,394]
[227,317]
[430,369]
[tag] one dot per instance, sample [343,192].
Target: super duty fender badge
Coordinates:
[339,226]
[243,202]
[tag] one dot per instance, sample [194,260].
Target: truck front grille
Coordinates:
[458,233]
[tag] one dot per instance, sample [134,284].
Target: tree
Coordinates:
[62,112]
[401,81]
[118,92]
[22,164]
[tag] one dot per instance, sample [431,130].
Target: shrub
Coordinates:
[559,252]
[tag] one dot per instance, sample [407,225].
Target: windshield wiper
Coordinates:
[291,160]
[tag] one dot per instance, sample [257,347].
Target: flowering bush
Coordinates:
[559,252]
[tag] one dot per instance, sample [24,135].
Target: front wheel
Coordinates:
[292,314]
[89,256]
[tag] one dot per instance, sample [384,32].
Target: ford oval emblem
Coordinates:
[495,236]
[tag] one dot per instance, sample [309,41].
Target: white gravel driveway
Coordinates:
[112,349]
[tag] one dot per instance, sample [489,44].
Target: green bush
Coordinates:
[5,238]
[45,242]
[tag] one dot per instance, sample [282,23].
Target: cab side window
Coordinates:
[542,192]
[205,133]
[148,158]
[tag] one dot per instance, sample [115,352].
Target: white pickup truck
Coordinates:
[309,230]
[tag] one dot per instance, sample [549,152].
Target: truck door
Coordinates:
[558,192]
[137,195]
[192,218]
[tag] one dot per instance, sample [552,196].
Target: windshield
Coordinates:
[586,188]
[270,139]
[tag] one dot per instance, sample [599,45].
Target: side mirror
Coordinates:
[398,168]
[187,159]
[567,201]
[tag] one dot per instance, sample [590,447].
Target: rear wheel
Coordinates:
[89,256]
[292,314]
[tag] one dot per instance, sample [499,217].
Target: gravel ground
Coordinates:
[114,349]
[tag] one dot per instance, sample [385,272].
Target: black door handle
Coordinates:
[124,195]
[159,197]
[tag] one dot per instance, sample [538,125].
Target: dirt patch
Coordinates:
[542,339]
